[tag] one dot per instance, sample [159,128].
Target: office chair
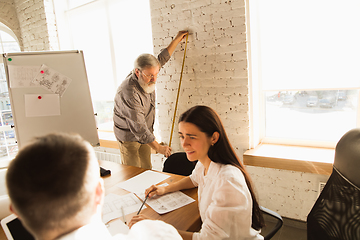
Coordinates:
[336,213]
[279,222]
[178,163]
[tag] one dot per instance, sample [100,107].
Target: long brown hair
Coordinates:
[208,121]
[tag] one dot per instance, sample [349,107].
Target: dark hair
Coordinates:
[208,121]
[46,181]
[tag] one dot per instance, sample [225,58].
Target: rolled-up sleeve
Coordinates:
[163,57]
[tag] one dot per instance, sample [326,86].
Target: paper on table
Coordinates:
[142,181]
[113,203]
[22,76]
[40,105]
[52,80]
[168,202]
[117,226]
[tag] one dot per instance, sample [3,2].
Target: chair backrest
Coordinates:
[275,216]
[178,163]
[336,213]
[347,156]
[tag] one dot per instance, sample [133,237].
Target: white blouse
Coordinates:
[225,203]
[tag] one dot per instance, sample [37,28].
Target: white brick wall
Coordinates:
[8,16]
[291,194]
[215,72]
[37,23]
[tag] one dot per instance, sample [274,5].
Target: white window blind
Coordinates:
[320,40]
[305,70]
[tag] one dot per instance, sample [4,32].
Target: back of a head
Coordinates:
[347,156]
[46,181]
[146,60]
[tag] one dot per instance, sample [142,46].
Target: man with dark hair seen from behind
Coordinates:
[55,189]
[134,109]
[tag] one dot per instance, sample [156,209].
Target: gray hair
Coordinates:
[146,61]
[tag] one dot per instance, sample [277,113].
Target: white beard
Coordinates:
[147,87]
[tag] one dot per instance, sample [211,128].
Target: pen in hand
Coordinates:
[143,204]
[123,214]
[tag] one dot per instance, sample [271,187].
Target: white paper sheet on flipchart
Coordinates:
[113,203]
[40,105]
[143,181]
[168,202]
[52,80]
[22,76]
[117,226]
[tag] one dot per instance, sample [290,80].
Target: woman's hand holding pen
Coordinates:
[155,190]
[137,218]
[151,191]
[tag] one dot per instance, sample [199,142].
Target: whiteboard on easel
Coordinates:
[49,92]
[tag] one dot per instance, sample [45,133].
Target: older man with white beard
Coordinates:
[134,109]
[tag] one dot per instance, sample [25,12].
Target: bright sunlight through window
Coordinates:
[305,59]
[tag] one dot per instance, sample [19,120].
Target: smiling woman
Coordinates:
[196,143]
[227,204]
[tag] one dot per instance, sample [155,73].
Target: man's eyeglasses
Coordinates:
[149,76]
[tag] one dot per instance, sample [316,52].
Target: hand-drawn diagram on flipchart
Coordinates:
[22,76]
[49,92]
[167,203]
[51,80]
[113,203]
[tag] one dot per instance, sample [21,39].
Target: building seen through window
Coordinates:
[321,115]
[8,145]
[304,70]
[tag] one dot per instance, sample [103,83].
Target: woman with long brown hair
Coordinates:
[227,203]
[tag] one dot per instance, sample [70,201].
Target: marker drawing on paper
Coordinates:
[116,206]
[22,76]
[52,80]
[168,202]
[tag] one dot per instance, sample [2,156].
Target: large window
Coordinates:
[304,62]
[111,33]
[8,145]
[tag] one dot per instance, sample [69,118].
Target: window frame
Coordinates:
[66,40]
[3,128]
[257,101]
